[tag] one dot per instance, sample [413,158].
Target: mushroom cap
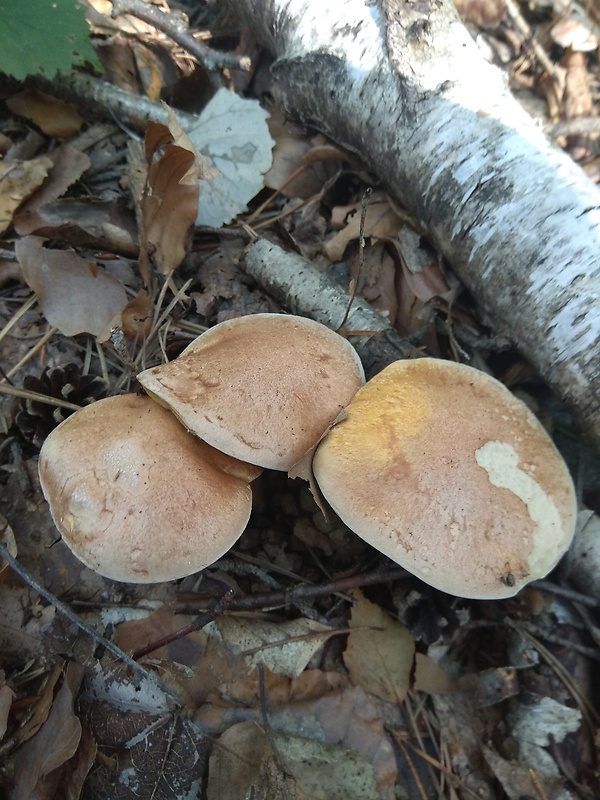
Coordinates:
[136,497]
[442,469]
[262,388]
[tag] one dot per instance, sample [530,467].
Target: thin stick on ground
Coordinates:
[26,576]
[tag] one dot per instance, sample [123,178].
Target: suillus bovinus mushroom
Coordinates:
[442,469]
[262,388]
[136,497]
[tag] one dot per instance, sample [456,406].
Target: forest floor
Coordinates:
[332,672]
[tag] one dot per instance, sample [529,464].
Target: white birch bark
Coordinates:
[404,85]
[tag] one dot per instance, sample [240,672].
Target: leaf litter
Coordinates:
[389,690]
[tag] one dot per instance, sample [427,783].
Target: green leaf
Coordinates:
[43,36]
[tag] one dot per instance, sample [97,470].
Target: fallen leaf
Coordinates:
[69,164]
[41,710]
[18,180]
[6,697]
[380,651]
[75,296]
[294,152]
[169,201]
[431,678]
[136,317]
[482,13]
[55,742]
[249,763]
[273,643]
[315,701]
[232,133]
[381,222]
[84,222]
[8,538]
[52,116]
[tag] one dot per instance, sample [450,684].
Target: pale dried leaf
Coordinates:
[42,707]
[169,203]
[69,164]
[249,763]
[117,690]
[273,643]
[52,116]
[136,317]
[292,152]
[85,222]
[380,222]
[6,698]
[8,538]
[482,13]
[232,133]
[202,167]
[75,295]
[18,180]
[55,743]
[430,677]
[380,652]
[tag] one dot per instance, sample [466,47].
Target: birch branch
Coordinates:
[404,85]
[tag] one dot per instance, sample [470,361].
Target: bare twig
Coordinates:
[26,576]
[172,27]
[201,620]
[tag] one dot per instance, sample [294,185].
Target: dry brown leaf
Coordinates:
[380,652]
[54,744]
[379,272]
[8,538]
[69,164]
[84,222]
[6,698]
[482,13]
[285,648]
[136,317]
[323,701]
[169,208]
[52,116]
[577,98]
[75,296]
[251,763]
[169,202]
[18,180]
[293,152]
[431,678]
[41,709]
[380,222]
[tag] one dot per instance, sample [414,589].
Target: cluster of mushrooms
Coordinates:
[435,464]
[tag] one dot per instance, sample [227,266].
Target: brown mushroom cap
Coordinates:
[136,497]
[262,388]
[441,468]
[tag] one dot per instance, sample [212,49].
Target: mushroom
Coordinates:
[262,388]
[136,497]
[442,469]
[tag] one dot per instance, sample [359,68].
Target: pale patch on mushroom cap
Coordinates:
[136,497]
[441,468]
[262,388]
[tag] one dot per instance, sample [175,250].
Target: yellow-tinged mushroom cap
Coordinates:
[262,388]
[442,469]
[136,497]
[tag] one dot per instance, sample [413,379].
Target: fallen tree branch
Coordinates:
[404,85]
[305,290]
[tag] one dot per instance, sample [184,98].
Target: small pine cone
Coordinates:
[35,420]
